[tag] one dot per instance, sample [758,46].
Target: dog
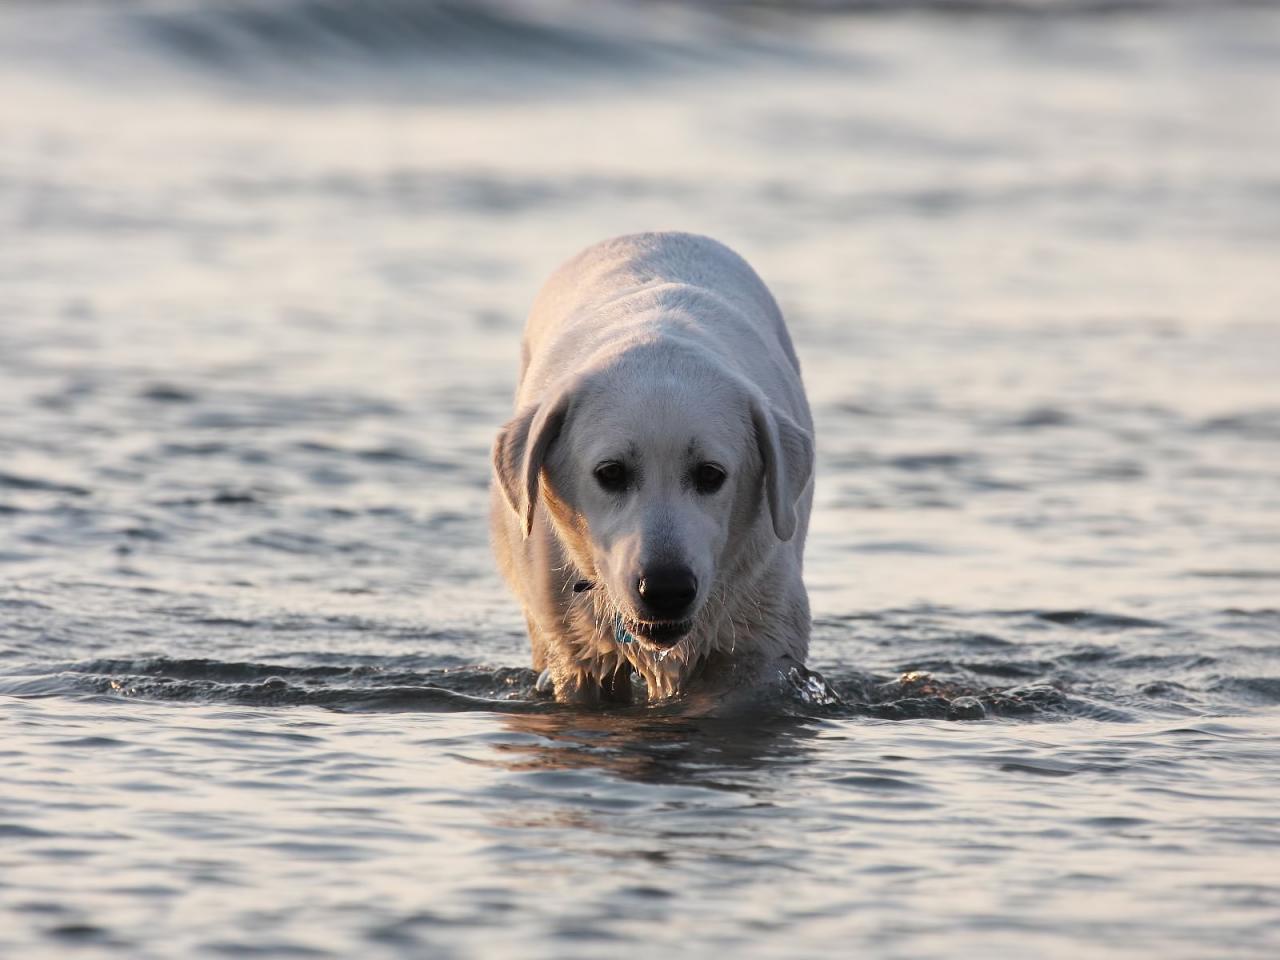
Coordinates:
[651,495]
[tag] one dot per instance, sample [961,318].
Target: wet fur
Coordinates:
[610,327]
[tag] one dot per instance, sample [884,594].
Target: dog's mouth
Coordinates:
[660,633]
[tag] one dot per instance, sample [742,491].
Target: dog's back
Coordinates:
[622,288]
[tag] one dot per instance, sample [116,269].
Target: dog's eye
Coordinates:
[611,476]
[708,478]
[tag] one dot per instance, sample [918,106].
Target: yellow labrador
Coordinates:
[651,495]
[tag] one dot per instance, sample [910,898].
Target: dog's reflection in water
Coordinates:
[671,745]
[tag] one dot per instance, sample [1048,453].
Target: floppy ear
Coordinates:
[519,451]
[786,449]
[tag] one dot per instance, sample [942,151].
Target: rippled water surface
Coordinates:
[263,270]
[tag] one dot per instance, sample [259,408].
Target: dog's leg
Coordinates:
[616,687]
[537,644]
[581,686]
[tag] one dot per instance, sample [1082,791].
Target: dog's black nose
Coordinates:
[667,592]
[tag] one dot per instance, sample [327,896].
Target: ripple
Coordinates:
[167,393]
[1086,619]
[381,686]
[1261,424]
[1256,690]
[1236,574]
[18,482]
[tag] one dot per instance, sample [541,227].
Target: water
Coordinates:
[263,270]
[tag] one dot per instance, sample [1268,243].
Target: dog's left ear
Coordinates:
[786,449]
[520,450]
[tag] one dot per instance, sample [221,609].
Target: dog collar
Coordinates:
[621,634]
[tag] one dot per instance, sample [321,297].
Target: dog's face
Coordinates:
[651,472]
[654,476]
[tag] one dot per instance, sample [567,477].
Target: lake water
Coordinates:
[263,271]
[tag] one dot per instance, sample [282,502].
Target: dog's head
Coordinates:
[655,470]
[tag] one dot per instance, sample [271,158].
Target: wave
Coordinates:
[234,33]
[486,44]
[1019,8]
[618,33]
[359,688]
[390,687]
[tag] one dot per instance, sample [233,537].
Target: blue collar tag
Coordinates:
[620,633]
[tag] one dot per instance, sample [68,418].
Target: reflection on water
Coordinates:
[263,273]
[676,749]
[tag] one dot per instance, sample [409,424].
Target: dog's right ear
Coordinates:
[520,450]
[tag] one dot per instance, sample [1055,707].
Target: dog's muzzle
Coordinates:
[660,633]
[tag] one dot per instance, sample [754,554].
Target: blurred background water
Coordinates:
[263,270]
